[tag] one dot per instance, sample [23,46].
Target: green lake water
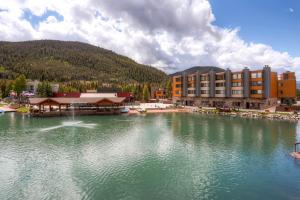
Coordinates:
[167,156]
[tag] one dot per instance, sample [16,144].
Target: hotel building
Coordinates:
[258,89]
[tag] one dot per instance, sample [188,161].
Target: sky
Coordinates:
[171,35]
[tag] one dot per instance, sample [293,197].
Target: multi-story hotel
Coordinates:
[257,89]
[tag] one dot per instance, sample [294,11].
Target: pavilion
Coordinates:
[75,106]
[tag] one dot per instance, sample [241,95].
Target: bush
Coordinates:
[23,110]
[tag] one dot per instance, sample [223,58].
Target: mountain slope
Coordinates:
[64,61]
[201,69]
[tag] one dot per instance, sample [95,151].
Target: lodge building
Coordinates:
[258,89]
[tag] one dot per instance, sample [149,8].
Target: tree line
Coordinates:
[61,61]
[141,92]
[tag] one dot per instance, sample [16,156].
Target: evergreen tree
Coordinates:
[44,89]
[169,88]
[20,84]
[146,94]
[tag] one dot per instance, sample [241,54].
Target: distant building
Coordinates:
[160,94]
[257,89]
[98,95]
[32,86]
[54,87]
[127,95]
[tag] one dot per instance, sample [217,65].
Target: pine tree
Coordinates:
[169,88]
[20,84]
[146,94]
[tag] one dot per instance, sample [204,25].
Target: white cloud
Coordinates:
[171,35]
[291,10]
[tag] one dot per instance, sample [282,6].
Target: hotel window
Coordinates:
[256,91]
[281,84]
[237,91]
[204,84]
[191,78]
[178,92]
[280,91]
[237,76]
[204,91]
[256,83]
[204,78]
[219,91]
[178,85]
[190,85]
[256,75]
[178,79]
[191,92]
[220,77]
[219,84]
[237,84]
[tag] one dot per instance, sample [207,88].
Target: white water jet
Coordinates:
[78,124]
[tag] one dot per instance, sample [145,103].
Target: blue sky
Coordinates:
[35,20]
[272,22]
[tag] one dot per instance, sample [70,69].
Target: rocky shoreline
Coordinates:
[286,116]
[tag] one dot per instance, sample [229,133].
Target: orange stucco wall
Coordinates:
[287,85]
[274,85]
[174,89]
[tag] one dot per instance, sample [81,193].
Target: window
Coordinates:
[178,79]
[204,91]
[237,76]
[219,84]
[190,85]
[256,83]
[256,91]
[191,78]
[178,86]
[220,77]
[256,75]
[219,91]
[178,92]
[204,84]
[237,84]
[237,91]
[204,78]
[191,92]
[280,91]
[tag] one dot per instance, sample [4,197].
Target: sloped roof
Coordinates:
[35,101]
[97,95]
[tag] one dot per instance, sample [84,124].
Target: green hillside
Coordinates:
[66,61]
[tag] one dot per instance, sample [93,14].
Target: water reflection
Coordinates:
[168,156]
[259,135]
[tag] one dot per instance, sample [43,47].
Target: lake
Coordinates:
[158,156]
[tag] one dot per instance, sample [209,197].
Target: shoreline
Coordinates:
[246,114]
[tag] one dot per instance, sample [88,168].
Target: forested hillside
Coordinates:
[68,61]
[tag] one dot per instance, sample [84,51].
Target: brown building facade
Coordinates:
[258,89]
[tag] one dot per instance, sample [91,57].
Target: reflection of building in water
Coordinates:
[298,132]
[249,134]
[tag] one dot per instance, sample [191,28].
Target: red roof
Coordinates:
[67,95]
[124,94]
